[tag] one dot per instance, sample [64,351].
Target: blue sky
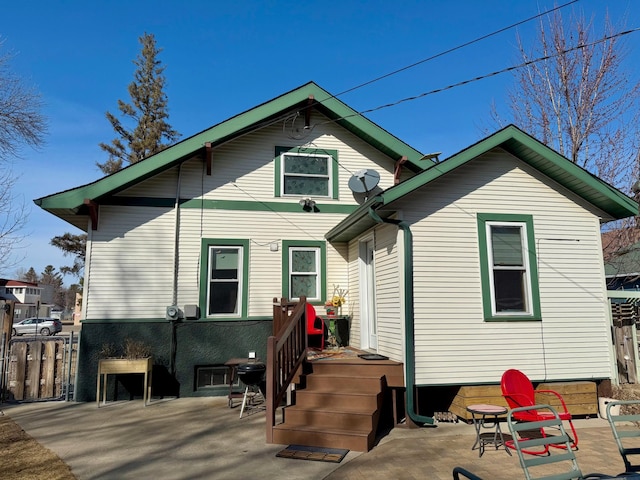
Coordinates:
[222,58]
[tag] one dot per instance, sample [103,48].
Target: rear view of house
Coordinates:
[459,270]
[187,249]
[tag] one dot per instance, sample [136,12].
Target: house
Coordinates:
[218,225]
[29,298]
[459,269]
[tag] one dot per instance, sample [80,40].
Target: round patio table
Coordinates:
[486,416]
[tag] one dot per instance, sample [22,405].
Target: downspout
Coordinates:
[410,360]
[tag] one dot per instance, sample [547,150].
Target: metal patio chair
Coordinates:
[624,436]
[461,473]
[518,391]
[563,463]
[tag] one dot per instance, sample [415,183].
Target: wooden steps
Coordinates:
[338,404]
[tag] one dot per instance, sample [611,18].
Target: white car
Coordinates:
[40,326]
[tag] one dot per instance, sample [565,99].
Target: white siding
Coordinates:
[389,296]
[244,168]
[130,270]
[132,252]
[453,342]
[388,292]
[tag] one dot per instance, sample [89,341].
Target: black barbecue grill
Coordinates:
[252,375]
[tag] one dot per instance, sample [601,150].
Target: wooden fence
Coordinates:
[40,368]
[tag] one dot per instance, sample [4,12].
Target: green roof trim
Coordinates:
[521,145]
[68,205]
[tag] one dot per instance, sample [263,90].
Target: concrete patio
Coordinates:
[202,438]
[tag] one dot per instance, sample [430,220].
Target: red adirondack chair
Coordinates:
[312,331]
[518,391]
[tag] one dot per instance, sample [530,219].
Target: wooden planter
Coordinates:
[114,366]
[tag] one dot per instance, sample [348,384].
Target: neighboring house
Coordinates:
[28,298]
[622,264]
[461,269]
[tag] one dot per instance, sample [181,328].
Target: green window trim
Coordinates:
[204,277]
[286,246]
[317,151]
[486,271]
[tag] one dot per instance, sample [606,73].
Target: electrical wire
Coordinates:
[483,77]
[466,44]
[289,116]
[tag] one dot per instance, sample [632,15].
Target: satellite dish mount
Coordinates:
[363,181]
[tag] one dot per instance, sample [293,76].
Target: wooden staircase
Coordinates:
[340,403]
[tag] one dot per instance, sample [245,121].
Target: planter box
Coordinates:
[114,366]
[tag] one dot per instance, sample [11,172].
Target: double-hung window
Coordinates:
[304,270]
[306,172]
[224,277]
[508,267]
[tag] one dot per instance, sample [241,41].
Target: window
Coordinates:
[214,376]
[304,270]
[508,267]
[306,172]
[223,289]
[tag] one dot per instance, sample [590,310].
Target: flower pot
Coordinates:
[602,407]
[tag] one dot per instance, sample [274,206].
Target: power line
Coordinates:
[482,77]
[386,75]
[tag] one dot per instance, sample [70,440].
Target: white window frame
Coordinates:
[317,273]
[239,279]
[329,176]
[526,267]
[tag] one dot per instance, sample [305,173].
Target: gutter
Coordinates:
[409,337]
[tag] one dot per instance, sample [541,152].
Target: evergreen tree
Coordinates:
[30,276]
[50,277]
[148,110]
[74,245]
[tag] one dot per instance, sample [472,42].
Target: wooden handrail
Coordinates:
[286,350]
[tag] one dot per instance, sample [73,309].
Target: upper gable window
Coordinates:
[306,172]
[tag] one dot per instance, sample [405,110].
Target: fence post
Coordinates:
[3,355]
[68,376]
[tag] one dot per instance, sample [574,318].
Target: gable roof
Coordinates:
[69,205]
[521,145]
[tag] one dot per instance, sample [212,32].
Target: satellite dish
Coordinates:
[364,180]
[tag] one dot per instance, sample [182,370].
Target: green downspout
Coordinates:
[409,334]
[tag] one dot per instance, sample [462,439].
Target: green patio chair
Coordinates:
[459,472]
[624,436]
[551,464]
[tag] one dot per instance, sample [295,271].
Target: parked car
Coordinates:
[40,326]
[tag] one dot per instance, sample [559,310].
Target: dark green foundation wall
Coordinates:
[198,343]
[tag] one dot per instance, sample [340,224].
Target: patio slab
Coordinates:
[202,438]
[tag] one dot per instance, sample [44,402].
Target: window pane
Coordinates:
[306,165]
[223,297]
[306,186]
[507,246]
[225,263]
[303,285]
[303,261]
[224,280]
[509,290]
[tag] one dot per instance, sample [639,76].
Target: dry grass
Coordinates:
[22,458]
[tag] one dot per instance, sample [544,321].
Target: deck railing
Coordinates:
[286,350]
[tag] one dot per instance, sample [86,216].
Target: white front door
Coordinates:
[368,323]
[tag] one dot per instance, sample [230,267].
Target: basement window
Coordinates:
[213,376]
